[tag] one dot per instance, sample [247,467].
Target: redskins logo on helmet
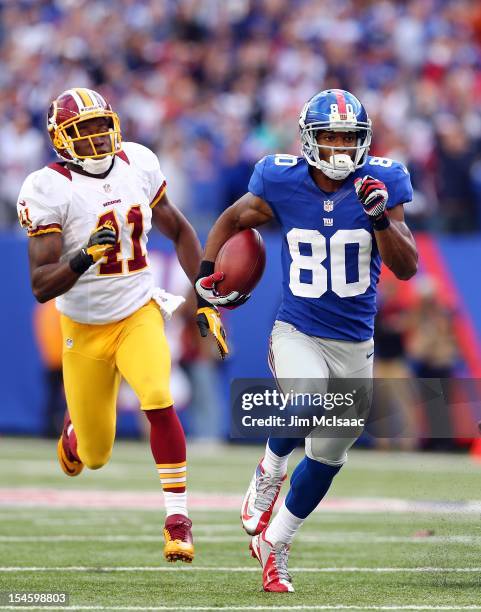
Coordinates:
[66,113]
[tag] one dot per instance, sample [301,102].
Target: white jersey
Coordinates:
[54,199]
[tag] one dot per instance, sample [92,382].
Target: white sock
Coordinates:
[273,464]
[284,526]
[175,503]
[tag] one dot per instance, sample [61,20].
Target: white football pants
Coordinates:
[296,359]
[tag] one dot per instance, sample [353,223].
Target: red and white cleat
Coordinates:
[273,559]
[260,499]
[179,545]
[67,449]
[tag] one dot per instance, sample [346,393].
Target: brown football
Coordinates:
[242,259]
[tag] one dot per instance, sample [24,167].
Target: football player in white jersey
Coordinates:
[87,218]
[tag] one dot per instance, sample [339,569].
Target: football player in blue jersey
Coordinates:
[341,213]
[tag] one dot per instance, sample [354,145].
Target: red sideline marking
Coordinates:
[56,498]
[464,329]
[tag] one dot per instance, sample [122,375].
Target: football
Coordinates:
[242,260]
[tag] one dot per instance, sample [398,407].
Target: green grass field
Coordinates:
[354,555]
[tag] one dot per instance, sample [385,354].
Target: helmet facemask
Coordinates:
[338,167]
[340,164]
[67,136]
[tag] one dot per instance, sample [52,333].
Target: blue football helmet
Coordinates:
[338,110]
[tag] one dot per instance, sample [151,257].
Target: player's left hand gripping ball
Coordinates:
[208,320]
[372,194]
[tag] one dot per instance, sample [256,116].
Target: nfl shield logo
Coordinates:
[328,205]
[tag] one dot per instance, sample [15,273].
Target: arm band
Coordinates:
[206,268]
[382,222]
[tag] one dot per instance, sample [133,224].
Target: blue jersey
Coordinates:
[330,259]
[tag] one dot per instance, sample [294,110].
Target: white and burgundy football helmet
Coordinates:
[64,115]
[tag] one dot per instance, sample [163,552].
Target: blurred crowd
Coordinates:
[417,352]
[213,85]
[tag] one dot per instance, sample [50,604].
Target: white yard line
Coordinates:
[148,530]
[227,607]
[300,570]
[338,538]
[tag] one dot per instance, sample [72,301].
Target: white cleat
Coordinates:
[273,560]
[260,499]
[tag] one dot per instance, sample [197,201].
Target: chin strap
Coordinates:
[95,166]
[338,167]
